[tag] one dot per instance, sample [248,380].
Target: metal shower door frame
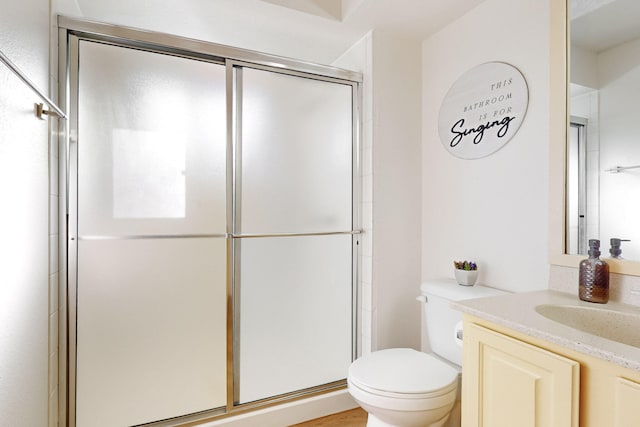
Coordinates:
[70,32]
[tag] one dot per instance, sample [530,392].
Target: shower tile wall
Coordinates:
[24,286]
[366,252]
[55,242]
[53,275]
[359,58]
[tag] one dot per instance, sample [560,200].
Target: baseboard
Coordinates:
[292,412]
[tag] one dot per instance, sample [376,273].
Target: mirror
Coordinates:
[603,146]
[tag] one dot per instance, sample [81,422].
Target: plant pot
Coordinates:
[466,277]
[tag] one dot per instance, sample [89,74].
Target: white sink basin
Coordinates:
[616,326]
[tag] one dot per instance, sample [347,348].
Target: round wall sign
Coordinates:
[483,110]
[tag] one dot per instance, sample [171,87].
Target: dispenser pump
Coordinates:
[616,247]
[594,248]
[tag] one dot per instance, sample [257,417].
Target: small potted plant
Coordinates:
[466,272]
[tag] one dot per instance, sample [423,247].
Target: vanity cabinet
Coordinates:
[508,382]
[511,379]
[626,411]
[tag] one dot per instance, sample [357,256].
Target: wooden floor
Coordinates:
[353,418]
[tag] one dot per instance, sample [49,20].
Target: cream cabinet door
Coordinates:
[627,403]
[509,383]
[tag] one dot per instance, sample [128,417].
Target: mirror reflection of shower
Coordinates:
[583,175]
[576,186]
[604,64]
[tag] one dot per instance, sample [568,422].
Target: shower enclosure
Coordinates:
[577,187]
[212,223]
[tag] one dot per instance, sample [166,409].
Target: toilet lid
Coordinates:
[402,370]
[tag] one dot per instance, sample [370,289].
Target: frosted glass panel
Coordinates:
[151,163]
[296,154]
[155,187]
[151,143]
[151,313]
[295,322]
[151,337]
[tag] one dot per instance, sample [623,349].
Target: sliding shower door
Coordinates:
[293,221]
[212,231]
[151,224]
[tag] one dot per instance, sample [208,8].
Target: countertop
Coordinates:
[517,312]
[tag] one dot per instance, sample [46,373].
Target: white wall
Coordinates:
[396,190]
[24,222]
[391,168]
[492,210]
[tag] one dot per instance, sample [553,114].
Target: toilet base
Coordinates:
[373,421]
[452,419]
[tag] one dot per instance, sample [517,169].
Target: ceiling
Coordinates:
[598,25]
[312,30]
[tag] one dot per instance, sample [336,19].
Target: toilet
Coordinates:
[403,387]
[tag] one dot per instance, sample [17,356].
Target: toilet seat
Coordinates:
[403,373]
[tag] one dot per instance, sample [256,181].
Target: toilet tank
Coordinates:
[440,322]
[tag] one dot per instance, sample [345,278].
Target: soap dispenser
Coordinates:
[594,276]
[616,247]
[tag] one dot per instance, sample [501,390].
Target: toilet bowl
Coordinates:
[403,387]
